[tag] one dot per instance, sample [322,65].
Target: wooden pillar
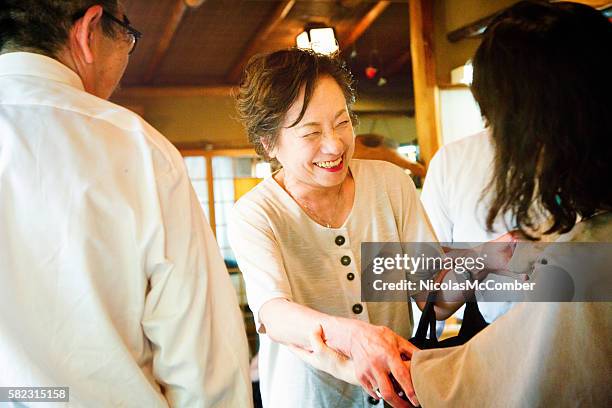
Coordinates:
[211,194]
[424,77]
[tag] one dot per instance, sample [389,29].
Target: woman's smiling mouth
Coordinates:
[330,165]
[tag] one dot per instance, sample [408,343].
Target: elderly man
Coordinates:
[112,284]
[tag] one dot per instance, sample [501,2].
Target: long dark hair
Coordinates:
[542,79]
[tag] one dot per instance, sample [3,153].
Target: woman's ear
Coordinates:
[270,152]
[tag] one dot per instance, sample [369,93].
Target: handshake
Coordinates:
[377,359]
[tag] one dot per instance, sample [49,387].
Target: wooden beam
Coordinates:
[169,91]
[194,3]
[598,4]
[166,39]
[237,152]
[471,30]
[364,24]
[259,39]
[397,64]
[424,77]
[478,27]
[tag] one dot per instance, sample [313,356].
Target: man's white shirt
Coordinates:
[112,282]
[452,192]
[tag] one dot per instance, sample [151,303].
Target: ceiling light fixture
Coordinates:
[319,39]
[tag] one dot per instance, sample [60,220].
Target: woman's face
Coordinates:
[317,150]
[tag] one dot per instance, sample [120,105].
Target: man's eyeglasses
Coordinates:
[131,31]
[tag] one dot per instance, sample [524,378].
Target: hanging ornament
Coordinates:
[371,71]
[382,81]
[374,66]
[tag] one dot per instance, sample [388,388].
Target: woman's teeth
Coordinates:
[329,164]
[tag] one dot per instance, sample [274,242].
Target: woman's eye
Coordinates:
[316,133]
[343,123]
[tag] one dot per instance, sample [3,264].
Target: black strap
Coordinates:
[428,318]
[473,322]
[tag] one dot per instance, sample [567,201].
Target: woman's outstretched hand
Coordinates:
[376,352]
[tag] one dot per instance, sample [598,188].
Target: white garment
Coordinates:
[456,178]
[283,253]
[539,354]
[112,283]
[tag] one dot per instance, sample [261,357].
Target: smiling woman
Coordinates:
[313,154]
[272,83]
[297,235]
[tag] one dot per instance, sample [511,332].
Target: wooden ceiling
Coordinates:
[210,44]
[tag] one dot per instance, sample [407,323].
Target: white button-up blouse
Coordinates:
[285,254]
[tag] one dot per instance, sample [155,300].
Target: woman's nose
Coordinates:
[332,143]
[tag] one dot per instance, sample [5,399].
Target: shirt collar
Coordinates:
[27,63]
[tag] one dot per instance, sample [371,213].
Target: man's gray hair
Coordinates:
[42,26]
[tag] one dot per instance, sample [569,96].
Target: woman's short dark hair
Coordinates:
[270,85]
[43,26]
[542,81]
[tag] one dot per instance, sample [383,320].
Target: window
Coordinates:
[224,171]
[233,172]
[196,168]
